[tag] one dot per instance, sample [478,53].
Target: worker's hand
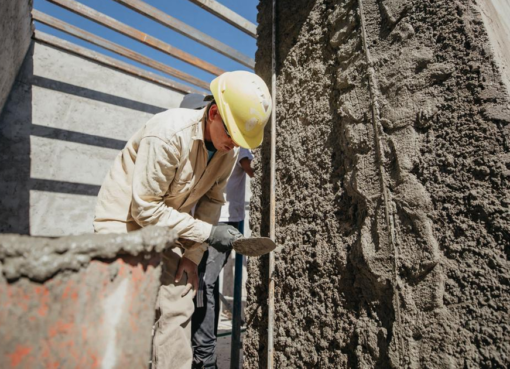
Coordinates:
[223,236]
[191,269]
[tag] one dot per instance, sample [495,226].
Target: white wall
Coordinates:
[65,121]
[496,17]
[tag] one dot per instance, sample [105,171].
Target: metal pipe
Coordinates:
[228,16]
[272,205]
[113,47]
[133,33]
[188,31]
[235,344]
[113,63]
[235,348]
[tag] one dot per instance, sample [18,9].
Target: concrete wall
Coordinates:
[63,124]
[15,34]
[394,221]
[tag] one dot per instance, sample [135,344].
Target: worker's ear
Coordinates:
[213,111]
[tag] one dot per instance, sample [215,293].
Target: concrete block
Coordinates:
[80,301]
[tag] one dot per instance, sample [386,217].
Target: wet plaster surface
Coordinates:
[392,189]
[41,258]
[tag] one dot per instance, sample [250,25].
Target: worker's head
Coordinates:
[218,132]
[242,99]
[194,101]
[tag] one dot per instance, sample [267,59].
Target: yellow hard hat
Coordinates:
[244,103]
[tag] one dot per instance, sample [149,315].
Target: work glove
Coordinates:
[223,236]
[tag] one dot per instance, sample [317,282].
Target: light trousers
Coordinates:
[171,345]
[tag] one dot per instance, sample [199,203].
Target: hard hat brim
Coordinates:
[247,142]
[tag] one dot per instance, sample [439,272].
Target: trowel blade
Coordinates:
[255,246]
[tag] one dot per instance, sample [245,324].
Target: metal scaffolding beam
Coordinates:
[113,63]
[118,49]
[135,34]
[188,31]
[228,16]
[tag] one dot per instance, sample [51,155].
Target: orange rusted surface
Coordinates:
[100,316]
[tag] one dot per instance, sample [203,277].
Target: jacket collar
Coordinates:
[198,134]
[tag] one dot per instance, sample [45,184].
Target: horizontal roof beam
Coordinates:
[118,49]
[188,31]
[133,33]
[228,16]
[113,63]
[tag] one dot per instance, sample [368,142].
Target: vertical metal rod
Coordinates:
[374,93]
[235,347]
[272,205]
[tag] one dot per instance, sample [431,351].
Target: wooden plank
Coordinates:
[227,15]
[135,34]
[121,50]
[113,63]
[188,31]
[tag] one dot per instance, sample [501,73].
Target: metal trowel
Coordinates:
[254,246]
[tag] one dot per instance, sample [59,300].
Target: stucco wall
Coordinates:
[15,34]
[64,122]
[392,188]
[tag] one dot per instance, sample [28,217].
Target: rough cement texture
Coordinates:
[64,122]
[40,258]
[79,302]
[392,199]
[16,32]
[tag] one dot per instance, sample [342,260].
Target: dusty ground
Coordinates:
[395,220]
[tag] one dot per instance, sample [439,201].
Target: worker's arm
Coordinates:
[154,172]
[246,165]
[208,208]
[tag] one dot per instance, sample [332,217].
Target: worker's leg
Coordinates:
[172,334]
[204,319]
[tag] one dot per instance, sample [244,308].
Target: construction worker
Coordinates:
[204,323]
[179,160]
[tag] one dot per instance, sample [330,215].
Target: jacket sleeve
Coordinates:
[209,208]
[154,172]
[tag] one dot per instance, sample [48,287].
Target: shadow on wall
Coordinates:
[15,155]
[17,130]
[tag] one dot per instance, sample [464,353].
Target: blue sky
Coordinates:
[183,10]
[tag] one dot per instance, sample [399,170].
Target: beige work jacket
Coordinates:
[160,175]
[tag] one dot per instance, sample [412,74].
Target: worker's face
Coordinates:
[218,131]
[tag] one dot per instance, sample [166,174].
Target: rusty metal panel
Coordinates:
[135,34]
[188,31]
[113,63]
[224,13]
[118,49]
